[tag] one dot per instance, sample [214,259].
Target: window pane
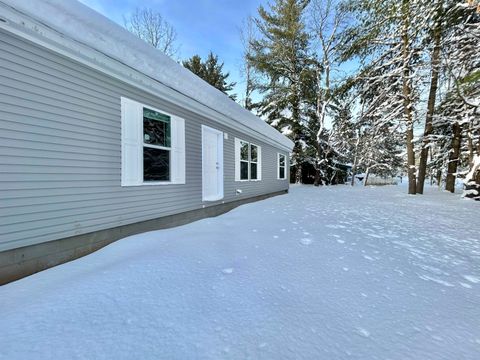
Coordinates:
[253,153]
[243,170]
[282,160]
[244,151]
[156,128]
[253,171]
[156,164]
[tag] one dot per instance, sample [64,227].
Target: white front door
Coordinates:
[212,164]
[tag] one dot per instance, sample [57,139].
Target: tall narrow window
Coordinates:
[282,174]
[248,161]
[156,146]
[244,160]
[253,162]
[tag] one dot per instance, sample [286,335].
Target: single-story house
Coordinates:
[103,136]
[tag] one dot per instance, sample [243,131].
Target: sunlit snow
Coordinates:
[320,273]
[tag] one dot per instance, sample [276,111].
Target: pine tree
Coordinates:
[457,122]
[282,57]
[211,70]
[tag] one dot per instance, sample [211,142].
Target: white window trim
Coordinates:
[238,161]
[278,166]
[133,143]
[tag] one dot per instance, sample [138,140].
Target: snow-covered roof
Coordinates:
[80,23]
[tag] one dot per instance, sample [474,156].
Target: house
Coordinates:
[102,136]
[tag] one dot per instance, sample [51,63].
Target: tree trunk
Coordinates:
[298,174]
[453,158]
[407,97]
[355,158]
[366,177]
[435,61]
[472,180]
[439,178]
[354,170]
[317,180]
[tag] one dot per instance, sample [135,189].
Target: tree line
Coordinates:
[386,87]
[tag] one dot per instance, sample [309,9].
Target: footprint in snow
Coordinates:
[363,332]
[305,241]
[227,271]
[472,279]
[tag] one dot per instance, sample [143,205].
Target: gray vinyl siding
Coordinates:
[60,152]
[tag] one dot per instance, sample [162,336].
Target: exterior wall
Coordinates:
[60,152]
[27,260]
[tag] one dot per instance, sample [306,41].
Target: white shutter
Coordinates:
[178,151]
[132,143]
[237,159]
[259,163]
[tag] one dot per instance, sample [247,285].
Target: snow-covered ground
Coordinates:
[328,273]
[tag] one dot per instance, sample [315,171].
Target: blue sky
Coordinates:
[202,25]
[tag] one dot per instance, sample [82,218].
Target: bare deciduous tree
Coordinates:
[247,36]
[327,20]
[151,27]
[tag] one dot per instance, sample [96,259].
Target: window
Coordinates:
[247,161]
[244,160]
[156,145]
[282,173]
[153,146]
[253,162]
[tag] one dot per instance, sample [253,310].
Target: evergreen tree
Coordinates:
[282,57]
[211,70]
[457,120]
